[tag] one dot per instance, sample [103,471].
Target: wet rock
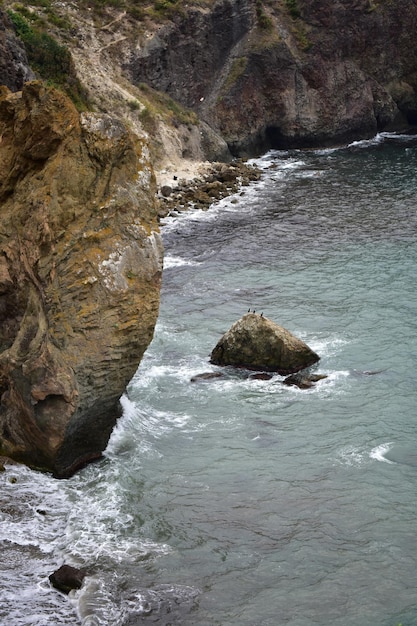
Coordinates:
[67,578]
[206,376]
[261,376]
[360,373]
[214,185]
[303,381]
[255,342]
[166,191]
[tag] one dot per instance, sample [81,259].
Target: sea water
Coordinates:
[243,502]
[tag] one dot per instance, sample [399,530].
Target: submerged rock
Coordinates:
[303,380]
[257,343]
[206,376]
[67,578]
[261,376]
[80,272]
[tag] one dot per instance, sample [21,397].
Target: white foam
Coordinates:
[101,603]
[328,346]
[337,375]
[171,261]
[366,143]
[351,455]
[292,165]
[378,453]
[378,139]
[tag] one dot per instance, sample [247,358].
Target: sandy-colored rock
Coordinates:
[80,271]
[257,343]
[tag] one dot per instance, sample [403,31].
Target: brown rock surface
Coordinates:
[80,270]
[257,343]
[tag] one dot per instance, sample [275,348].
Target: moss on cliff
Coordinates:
[49,60]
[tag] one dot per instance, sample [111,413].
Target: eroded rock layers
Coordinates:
[80,271]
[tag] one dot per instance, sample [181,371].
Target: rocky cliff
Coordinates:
[248,74]
[14,66]
[288,73]
[80,256]
[80,270]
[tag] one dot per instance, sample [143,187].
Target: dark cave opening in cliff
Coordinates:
[274,139]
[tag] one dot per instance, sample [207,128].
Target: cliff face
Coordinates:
[80,270]
[80,255]
[299,73]
[14,67]
[257,74]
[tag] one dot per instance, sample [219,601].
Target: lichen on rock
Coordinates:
[80,272]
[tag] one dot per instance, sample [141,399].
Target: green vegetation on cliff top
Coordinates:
[49,60]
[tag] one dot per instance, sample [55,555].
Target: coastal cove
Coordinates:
[242,502]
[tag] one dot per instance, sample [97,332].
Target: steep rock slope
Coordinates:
[14,66]
[255,74]
[289,73]
[80,270]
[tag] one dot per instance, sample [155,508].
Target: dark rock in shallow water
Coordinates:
[360,373]
[206,376]
[67,578]
[303,381]
[255,342]
[261,376]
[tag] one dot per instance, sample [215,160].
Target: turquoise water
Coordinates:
[240,502]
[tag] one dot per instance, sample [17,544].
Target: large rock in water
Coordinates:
[80,272]
[257,343]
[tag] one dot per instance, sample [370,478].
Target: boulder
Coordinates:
[80,273]
[257,343]
[66,578]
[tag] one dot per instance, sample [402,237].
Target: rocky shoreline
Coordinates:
[217,181]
